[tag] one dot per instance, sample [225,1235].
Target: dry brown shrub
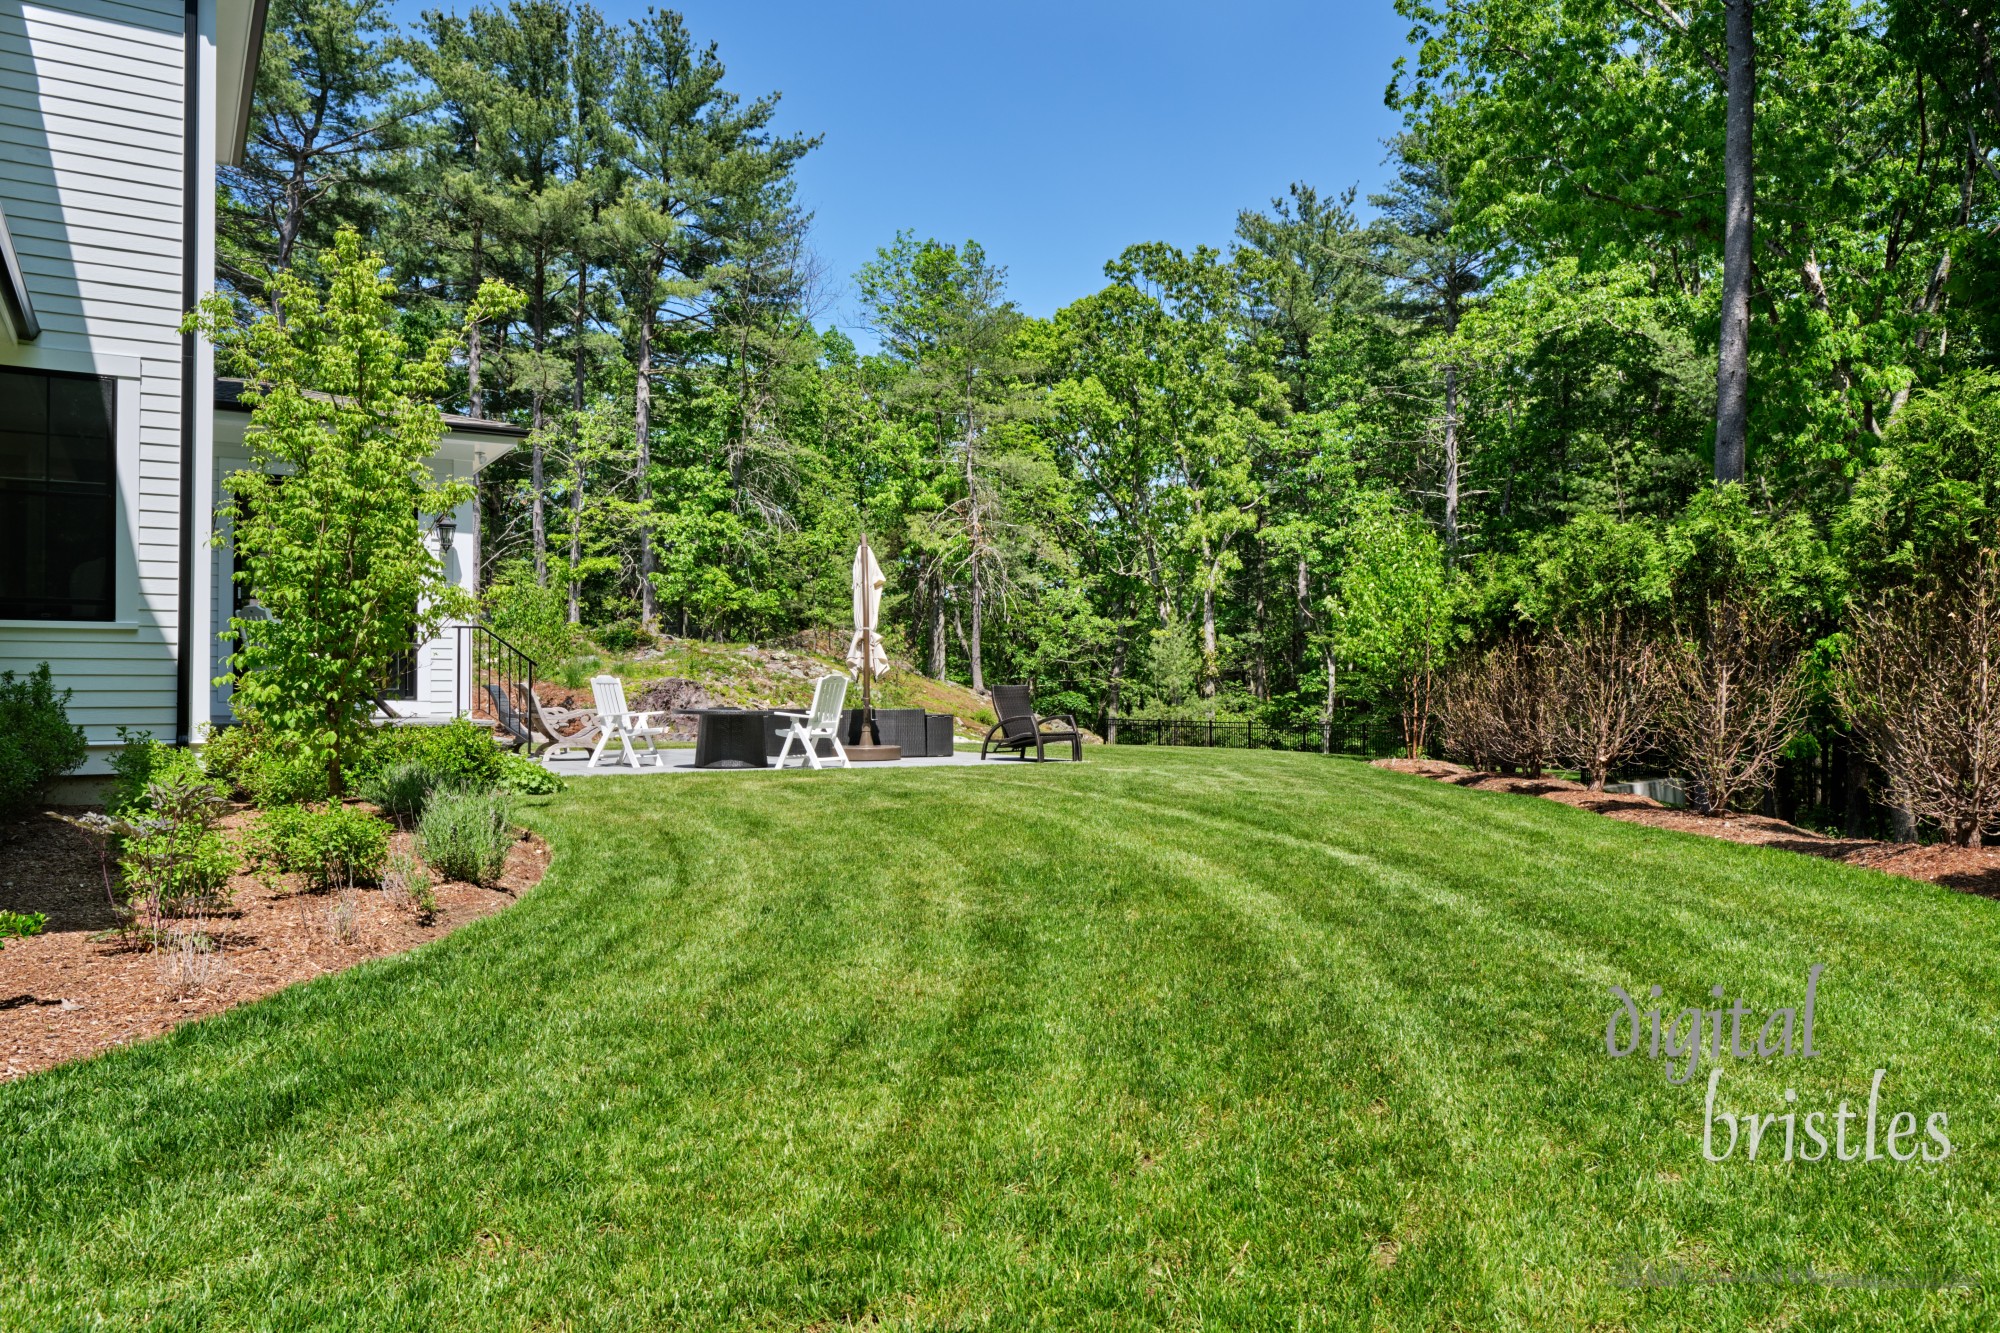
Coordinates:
[1732,696]
[1920,684]
[1493,707]
[1603,701]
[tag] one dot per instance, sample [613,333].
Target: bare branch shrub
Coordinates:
[1920,684]
[1732,696]
[1602,702]
[1493,707]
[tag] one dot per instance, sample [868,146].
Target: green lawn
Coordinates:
[1173,1039]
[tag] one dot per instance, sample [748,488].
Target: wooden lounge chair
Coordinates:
[822,723]
[565,728]
[1021,728]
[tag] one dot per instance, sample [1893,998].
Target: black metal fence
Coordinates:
[1363,737]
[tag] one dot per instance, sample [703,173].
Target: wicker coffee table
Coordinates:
[728,737]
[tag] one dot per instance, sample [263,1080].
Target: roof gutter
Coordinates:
[232,154]
[193,198]
[20,309]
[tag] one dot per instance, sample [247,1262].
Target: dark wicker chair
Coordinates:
[1020,728]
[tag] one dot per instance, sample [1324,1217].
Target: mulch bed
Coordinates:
[81,987]
[1968,869]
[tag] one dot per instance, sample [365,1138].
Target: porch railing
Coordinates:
[484,658]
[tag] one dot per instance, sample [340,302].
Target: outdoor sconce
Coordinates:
[446,529]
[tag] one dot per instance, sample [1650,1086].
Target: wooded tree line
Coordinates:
[1621,252]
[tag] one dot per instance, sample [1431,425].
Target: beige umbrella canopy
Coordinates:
[866,654]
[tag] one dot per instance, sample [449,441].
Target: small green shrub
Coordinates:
[401,787]
[37,742]
[20,925]
[524,777]
[459,754]
[465,834]
[279,777]
[143,762]
[329,845]
[410,878]
[623,636]
[231,751]
[172,857]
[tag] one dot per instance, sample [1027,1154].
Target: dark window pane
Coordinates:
[23,456]
[24,401]
[79,558]
[58,512]
[22,553]
[80,407]
[74,458]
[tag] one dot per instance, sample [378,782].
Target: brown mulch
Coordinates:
[1968,869]
[81,987]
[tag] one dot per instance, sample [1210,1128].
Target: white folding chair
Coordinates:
[822,723]
[620,724]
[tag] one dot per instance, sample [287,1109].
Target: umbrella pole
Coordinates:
[868,731]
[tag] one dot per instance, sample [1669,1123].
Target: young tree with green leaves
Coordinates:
[327,527]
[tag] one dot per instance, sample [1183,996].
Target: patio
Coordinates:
[680,759]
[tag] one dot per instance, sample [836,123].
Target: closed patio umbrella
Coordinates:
[867,655]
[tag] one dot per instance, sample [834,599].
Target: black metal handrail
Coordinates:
[484,658]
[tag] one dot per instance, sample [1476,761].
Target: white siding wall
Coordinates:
[91,123]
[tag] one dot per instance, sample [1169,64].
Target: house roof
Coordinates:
[229,397]
[15,305]
[239,44]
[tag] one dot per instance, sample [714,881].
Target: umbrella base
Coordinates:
[874,754]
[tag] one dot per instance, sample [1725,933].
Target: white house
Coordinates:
[113,438]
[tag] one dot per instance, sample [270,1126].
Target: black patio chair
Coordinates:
[1021,728]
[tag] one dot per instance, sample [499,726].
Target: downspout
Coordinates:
[190,251]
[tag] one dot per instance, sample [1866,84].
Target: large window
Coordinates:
[58,496]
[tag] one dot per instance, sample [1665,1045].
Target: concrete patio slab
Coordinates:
[681,760]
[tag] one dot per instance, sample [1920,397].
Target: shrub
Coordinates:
[623,636]
[524,777]
[465,834]
[20,925]
[143,762]
[1603,692]
[460,754]
[231,752]
[1920,683]
[400,788]
[408,879]
[1494,707]
[1733,692]
[272,772]
[329,845]
[37,742]
[171,855]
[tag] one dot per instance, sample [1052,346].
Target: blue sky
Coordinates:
[1056,134]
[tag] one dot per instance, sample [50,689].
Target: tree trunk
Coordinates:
[935,668]
[474,392]
[642,440]
[538,475]
[974,649]
[1732,366]
[1326,712]
[1111,687]
[576,531]
[576,456]
[1451,458]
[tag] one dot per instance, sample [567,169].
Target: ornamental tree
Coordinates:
[344,417]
